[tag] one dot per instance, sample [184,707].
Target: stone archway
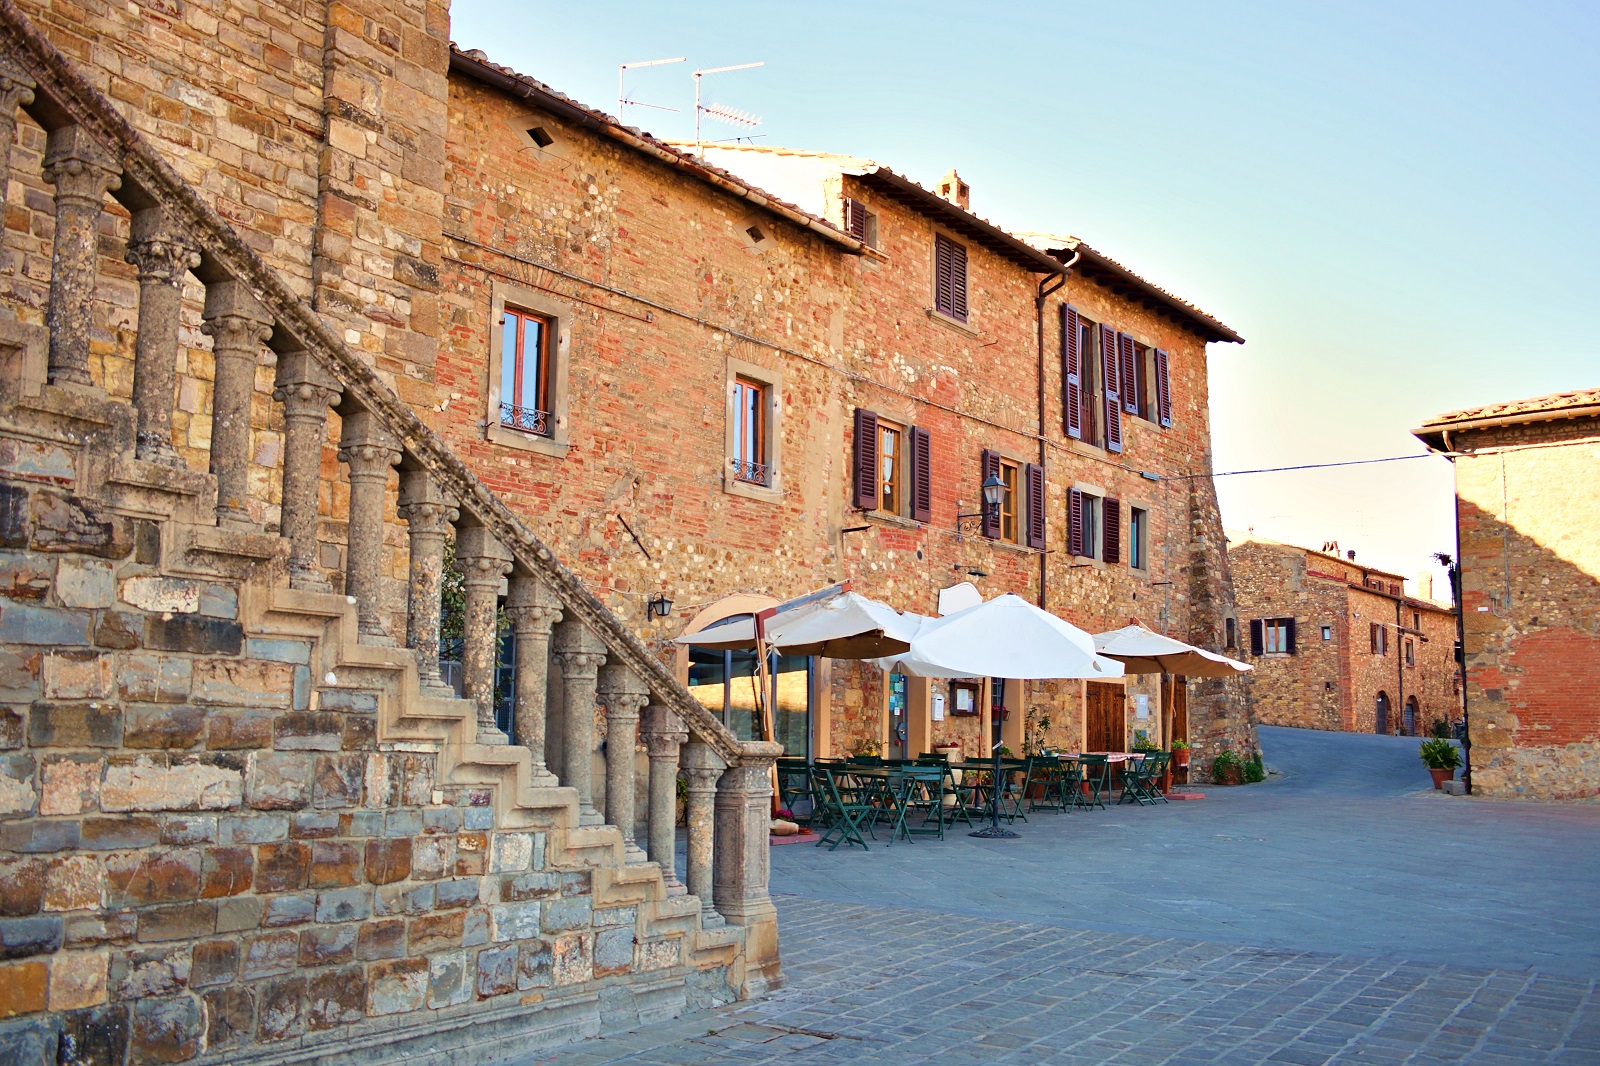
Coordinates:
[1382,724]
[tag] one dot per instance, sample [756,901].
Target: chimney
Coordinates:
[952,188]
[1425,586]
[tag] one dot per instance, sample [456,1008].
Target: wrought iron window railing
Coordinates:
[527,419]
[752,473]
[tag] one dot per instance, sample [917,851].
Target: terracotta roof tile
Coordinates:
[1556,405]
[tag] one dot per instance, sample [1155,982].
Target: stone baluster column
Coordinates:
[238,326]
[623,695]
[534,612]
[579,653]
[164,255]
[703,767]
[744,825]
[82,173]
[484,563]
[306,389]
[429,513]
[664,734]
[369,451]
[16,90]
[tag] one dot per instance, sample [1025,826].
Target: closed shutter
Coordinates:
[1034,479]
[1129,373]
[941,276]
[1257,645]
[855,220]
[991,515]
[866,462]
[1075,543]
[1111,520]
[1071,374]
[1372,633]
[921,475]
[1288,645]
[1163,391]
[958,282]
[1108,378]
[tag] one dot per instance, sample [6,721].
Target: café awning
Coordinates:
[1144,651]
[835,623]
[1005,637]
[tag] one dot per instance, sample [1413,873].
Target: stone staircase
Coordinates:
[278,779]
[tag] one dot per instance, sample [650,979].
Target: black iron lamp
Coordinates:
[658,607]
[994,491]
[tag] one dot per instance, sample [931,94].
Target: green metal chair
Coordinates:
[846,811]
[1096,773]
[923,793]
[795,789]
[1048,774]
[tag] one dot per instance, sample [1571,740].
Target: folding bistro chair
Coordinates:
[847,810]
[1015,776]
[1096,773]
[795,790]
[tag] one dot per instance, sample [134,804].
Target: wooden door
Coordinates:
[1105,719]
[1180,709]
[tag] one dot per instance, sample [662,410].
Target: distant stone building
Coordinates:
[1528,530]
[1340,646]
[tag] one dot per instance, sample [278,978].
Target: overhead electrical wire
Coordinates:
[1304,466]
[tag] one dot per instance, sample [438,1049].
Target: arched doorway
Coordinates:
[1411,713]
[1383,714]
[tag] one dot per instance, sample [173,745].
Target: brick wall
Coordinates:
[1526,512]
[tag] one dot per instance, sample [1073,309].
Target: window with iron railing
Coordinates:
[525,372]
[749,459]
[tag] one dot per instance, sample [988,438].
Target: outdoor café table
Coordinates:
[982,793]
[888,790]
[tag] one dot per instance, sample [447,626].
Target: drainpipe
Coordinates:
[1047,286]
[1456,591]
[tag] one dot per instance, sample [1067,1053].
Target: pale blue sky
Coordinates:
[1395,203]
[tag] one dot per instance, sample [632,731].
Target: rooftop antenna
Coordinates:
[717,111]
[622,73]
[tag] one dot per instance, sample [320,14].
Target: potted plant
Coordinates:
[1441,758]
[1180,754]
[1228,769]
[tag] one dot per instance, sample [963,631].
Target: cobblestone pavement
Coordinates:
[1339,913]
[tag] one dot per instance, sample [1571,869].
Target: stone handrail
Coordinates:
[39,78]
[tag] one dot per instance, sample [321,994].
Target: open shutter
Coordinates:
[1129,355]
[1163,391]
[1372,634]
[1256,644]
[1111,520]
[866,462]
[855,220]
[921,475]
[1108,378]
[1034,478]
[958,282]
[991,516]
[1075,543]
[1288,637]
[941,275]
[1071,374]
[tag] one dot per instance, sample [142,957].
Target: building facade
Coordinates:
[1529,558]
[1336,645]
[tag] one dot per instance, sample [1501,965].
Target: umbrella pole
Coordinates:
[764,703]
[994,831]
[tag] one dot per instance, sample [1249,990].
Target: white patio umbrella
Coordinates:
[838,625]
[1144,651]
[1005,637]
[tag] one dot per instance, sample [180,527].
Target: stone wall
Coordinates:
[1526,514]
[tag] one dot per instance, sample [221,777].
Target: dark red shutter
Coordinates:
[991,516]
[1108,383]
[1034,478]
[855,220]
[866,462]
[1071,374]
[921,475]
[1129,373]
[1111,520]
[958,282]
[1372,635]
[1288,645]
[1163,390]
[1075,543]
[1256,644]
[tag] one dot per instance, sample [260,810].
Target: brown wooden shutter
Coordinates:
[1257,645]
[1129,373]
[866,460]
[855,219]
[921,475]
[1034,479]
[958,281]
[1372,635]
[1111,522]
[1071,373]
[1288,644]
[1108,382]
[991,516]
[1075,543]
[1163,391]
[943,261]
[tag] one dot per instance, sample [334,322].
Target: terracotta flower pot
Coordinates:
[1441,776]
[1180,757]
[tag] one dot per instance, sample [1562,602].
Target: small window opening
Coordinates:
[755,234]
[541,137]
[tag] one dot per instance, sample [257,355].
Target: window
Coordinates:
[726,683]
[861,223]
[529,352]
[1327,632]
[890,496]
[1138,547]
[1230,633]
[1272,636]
[1087,535]
[1380,639]
[893,468]
[751,438]
[949,278]
[1020,518]
[1411,652]
[1416,621]
[749,459]
[1008,501]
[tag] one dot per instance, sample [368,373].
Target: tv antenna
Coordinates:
[730,115]
[622,73]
